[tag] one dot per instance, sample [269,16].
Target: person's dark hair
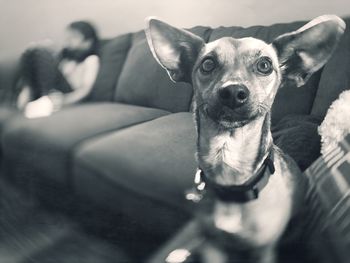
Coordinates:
[89,33]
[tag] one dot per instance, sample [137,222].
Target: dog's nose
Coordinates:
[234,96]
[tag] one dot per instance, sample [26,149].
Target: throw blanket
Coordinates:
[328,203]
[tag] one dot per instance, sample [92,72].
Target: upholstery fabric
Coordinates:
[153,160]
[297,136]
[144,82]
[155,155]
[9,73]
[112,57]
[44,144]
[146,168]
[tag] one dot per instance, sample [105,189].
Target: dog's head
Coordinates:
[236,80]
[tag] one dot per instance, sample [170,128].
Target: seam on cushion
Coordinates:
[75,147]
[206,37]
[92,96]
[79,143]
[318,86]
[8,130]
[71,152]
[207,34]
[131,41]
[116,84]
[9,76]
[85,165]
[318,94]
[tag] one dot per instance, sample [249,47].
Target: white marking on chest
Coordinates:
[225,151]
[229,219]
[260,221]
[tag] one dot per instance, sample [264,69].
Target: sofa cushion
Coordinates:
[145,169]
[112,57]
[297,136]
[335,76]
[289,100]
[144,82]
[141,170]
[44,144]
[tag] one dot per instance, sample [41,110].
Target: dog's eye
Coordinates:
[264,66]
[207,66]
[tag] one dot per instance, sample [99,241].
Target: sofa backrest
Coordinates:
[129,74]
[112,54]
[143,82]
[335,77]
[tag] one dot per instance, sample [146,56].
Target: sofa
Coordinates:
[126,154]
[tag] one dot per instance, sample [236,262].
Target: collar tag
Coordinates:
[196,193]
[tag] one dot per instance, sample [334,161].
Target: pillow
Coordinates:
[144,82]
[297,136]
[336,124]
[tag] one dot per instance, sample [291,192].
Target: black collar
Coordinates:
[234,193]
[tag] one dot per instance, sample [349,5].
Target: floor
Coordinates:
[29,234]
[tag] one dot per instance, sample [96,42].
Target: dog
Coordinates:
[255,188]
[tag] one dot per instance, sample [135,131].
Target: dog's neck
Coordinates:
[232,157]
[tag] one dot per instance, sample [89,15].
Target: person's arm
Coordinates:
[91,67]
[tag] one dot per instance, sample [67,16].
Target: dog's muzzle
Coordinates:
[231,106]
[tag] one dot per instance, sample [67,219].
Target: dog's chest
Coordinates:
[222,157]
[259,222]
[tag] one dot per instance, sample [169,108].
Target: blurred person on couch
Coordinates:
[51,81]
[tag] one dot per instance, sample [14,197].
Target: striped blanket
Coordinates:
[328,202]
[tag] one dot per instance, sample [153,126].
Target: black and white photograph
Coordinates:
[188,131]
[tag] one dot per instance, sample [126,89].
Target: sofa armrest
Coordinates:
[9,74]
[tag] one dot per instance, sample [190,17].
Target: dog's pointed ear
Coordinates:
[303,52]
[175,49]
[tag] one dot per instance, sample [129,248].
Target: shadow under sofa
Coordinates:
[129,149]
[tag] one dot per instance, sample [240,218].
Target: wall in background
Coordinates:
[22,21]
